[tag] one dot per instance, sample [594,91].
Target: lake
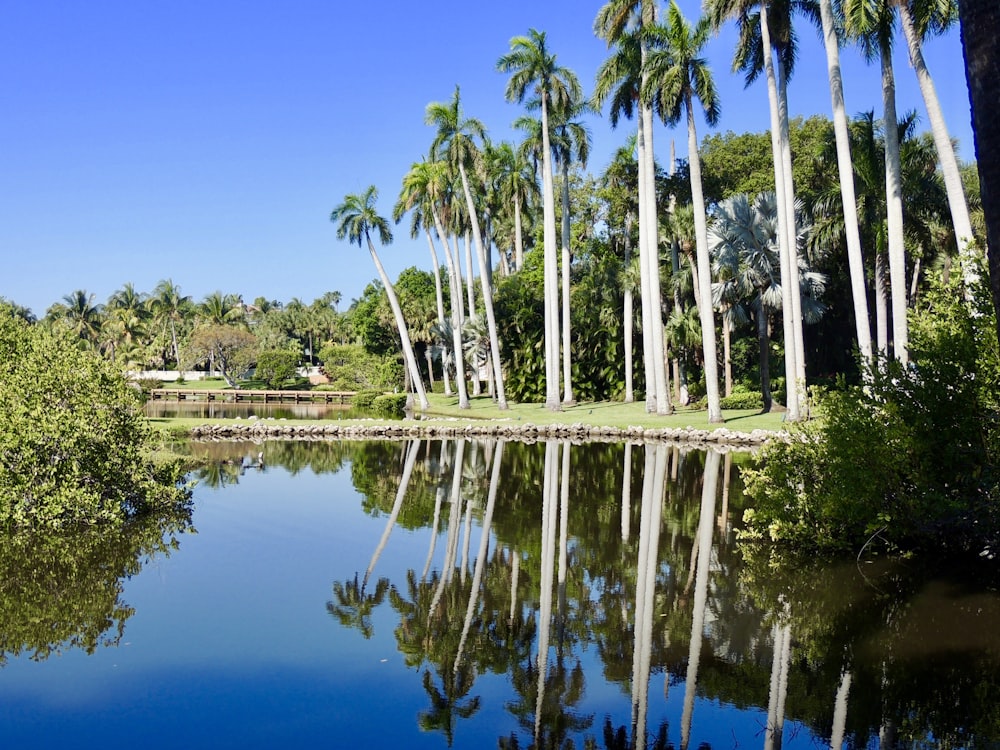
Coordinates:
[475,594]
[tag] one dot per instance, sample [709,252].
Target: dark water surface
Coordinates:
[511,596]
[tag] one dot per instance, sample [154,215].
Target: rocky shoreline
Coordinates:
[527,432]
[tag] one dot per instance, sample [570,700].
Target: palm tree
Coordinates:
[918,18]
[678,74]
[356,218]
[533,68]
[170,307]
[415,198]
[518,188]
[979,22]
[82,316]
[455,142]
[871,23]
[221,309]
[623,76]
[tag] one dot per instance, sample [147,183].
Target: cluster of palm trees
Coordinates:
[469,187]
[140,330]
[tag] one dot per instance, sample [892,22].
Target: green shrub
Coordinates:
[389,405]
[743,400]
[350,368]
[365,399]
[276,366]
[74,445]
[146,385]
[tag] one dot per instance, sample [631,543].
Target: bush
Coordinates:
[275,367]
[365,399]
[350,368]
[146,385]
[743,400]
[74,445]
[390,405]
[909,459]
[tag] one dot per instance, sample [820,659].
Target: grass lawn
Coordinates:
[444,410]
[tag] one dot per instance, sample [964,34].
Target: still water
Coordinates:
[244,410]
[475,594]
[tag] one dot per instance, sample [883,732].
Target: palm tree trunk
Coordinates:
[644,276]
[704,272]
[626,493]
[470,287]
[404,336]
[491,322]
[727,355]
[945,150]
[894,211]
[855,261]
[764,349]
[627,320]
[663,406]
[439,297]
[550,494]
[404,482]
[784,252]
[881,305]
[551,270]
[840,711]
[518,237]
[456,307]
[567,359]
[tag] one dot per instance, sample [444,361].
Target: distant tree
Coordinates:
[276,366]
[232,349]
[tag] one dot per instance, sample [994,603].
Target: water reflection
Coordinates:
[559,595]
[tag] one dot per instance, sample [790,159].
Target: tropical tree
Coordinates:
[356,217]
[534,69]
[871,22]
[170,308]
[979,20]
[622,77]
[79,312]
[517,188]
[678,74]
[455,143]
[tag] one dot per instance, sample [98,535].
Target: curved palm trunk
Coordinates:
[439,297]
[855,261]
[404,336]
[404,482]
[787,310]
[456,324]
[551,270]
[566,357]
[945,150]
[491,322]
[894,211]
[704,274]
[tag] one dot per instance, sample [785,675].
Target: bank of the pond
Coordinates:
[596,421]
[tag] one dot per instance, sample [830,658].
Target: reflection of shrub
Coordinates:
[63,590]
[74,443]
[390,405]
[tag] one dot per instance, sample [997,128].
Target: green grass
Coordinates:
[444,410]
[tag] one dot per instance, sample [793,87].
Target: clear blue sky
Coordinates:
[206,142]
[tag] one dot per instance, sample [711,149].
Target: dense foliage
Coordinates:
[909,459]
[74,446]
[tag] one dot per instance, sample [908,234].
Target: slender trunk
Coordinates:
[840,711]
[411,361]
[518,237]
[626,493]
[704,273]
[793,239]
[663,406]
[881,305]
[567,360]
[456,326]
[550,494]
[551,270]
[439,297]
[855,261]
[627,317]
[404,482]
[491,322]
[470,287]
[894,211]
[644,273]
[764,349]
[787,310]
[946,152]
[727,355]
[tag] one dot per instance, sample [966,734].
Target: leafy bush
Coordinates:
[146,385]
[365,399]
[276,366]
[74,446]
[743,400]
[350,368]
[389,405]
[910,458]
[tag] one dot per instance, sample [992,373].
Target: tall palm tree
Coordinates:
[623,76]
[81,314]
[518,188]
[534,69]
[221,309]
[871,22]
[415,198]
[918,18]
[170,307]
[455,142]
[678,74]
[979,22]
[356,218]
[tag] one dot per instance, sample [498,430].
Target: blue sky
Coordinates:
[206,142]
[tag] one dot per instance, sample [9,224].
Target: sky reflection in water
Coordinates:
[238,638]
